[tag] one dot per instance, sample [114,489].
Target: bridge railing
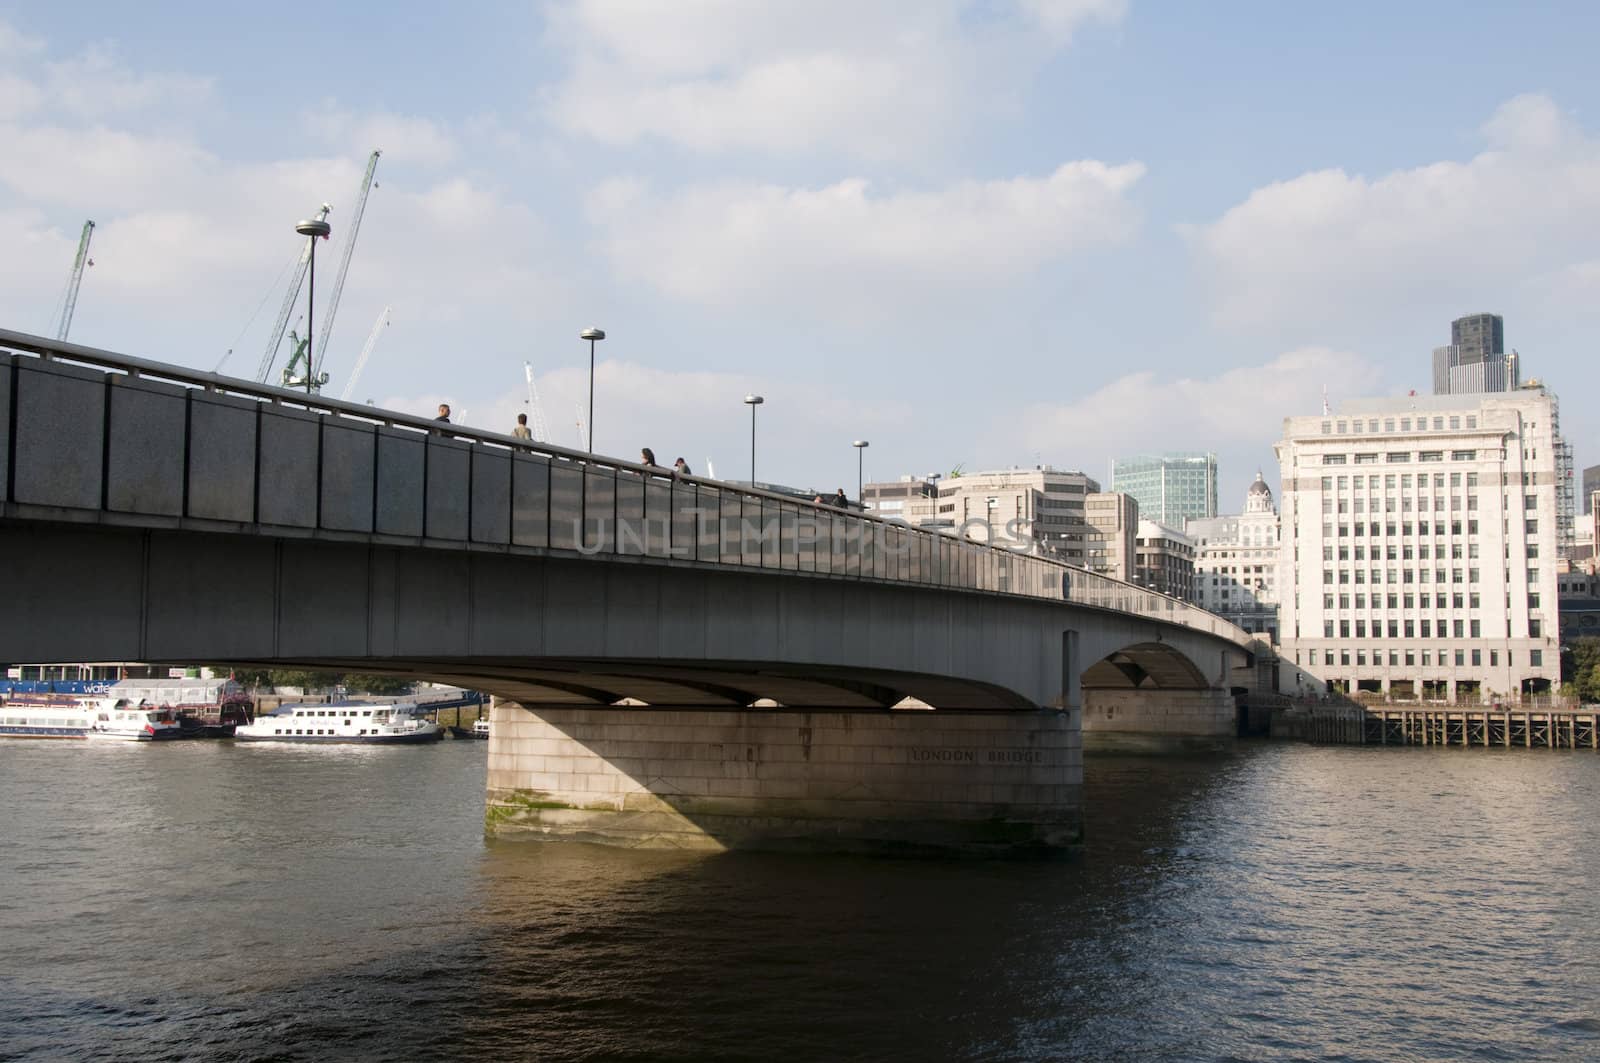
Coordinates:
[88,432]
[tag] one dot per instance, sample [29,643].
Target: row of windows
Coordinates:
[1400,457]
[1413,601]
[1408,575]
[1414,629]
[1357,426]
[1535,658]
[316,731]
[334,712]
[1404,528]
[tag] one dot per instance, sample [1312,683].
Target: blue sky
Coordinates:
[978,233]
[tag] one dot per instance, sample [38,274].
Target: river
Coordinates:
[210,900]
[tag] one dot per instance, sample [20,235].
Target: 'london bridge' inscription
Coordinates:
[972,756]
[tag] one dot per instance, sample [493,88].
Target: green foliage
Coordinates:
[357,682]
[1585,669]
[307,681]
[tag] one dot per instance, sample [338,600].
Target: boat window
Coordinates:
[366,712]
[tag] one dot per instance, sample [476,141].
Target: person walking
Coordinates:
[647,456]
[839,500]
[681,467]
[444,413]
[522,431]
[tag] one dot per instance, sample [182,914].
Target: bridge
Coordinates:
[675,661]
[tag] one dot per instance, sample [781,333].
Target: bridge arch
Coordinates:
[1145,666]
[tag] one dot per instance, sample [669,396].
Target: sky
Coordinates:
[975,234]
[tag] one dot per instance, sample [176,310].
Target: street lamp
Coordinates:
[591,334]
[312,228]
[861,452]
[753,401]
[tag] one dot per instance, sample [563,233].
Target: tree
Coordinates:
[379,684]
[1586,668]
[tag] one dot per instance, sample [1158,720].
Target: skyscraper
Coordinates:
[1476,360]
[1171,488]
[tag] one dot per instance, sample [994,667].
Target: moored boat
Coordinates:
[29,719]
[345,722]
[478,730]
[131,720]
[203,708]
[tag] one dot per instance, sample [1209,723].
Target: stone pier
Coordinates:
[892,780]
[1158,720]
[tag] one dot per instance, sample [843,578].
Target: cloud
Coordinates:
[95,84]
[14,43]
[877,82]
[1061,18]
[1302,254]
[1235,409]
[844,246]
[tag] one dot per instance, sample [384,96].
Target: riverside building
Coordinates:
[1419,546]
[1236,563]
[1040,509]
[1165,560]
[1171,489]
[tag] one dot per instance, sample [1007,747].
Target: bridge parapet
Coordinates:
[92,436]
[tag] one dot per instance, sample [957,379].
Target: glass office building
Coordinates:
[1171,488]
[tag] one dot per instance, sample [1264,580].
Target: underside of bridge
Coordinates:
[669,684]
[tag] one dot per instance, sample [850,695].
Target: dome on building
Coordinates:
[1259,498]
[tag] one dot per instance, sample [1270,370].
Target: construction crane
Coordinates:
[321,351]
[541,434]
[289,299]
[583,430]
[70,303]
[366,352]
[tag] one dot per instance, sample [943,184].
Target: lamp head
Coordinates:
[860,443]
[753,400]
[592,334]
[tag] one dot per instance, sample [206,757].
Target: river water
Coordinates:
[210,900]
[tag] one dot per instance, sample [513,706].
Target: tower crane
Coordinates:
[321,352]
[541,433]
[70,303]
[366,352]
[289,299]
[583,430]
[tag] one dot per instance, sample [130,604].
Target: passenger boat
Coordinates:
[30,719]
[113,719]
[204,708]
[353,722]
[478,730]
[131,720]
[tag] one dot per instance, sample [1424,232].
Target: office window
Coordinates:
[1535,658]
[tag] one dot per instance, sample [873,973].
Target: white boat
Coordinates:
[130,720]
[113,719]
[343,722]
[59,720]
[478,730]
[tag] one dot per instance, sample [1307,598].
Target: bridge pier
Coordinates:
[1158,720]
[888,780]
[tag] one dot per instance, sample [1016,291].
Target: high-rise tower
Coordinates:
[1476,360]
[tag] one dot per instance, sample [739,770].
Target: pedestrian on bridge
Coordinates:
[681,467]
[522,431]
[444,413]
[647,457]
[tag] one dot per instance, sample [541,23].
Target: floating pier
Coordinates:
[1423,725]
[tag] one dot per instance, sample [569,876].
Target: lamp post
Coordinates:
[861,453]
[312,228]
[753,401]
[592,335]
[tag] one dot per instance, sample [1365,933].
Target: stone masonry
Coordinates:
[890,780]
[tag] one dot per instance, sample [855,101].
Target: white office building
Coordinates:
[1236,563]
[1419,546]
[1041,509]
